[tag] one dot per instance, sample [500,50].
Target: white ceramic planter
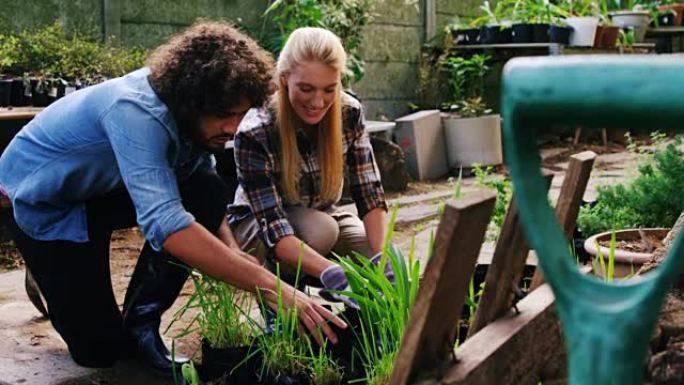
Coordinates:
[638,20]
[583,30]
[473,140]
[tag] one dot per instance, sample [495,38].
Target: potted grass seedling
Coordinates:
[289,357]
[384,305]
[323,370]
[227,330]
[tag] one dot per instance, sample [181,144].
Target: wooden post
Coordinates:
[505,270]
[431,331]
[570,198]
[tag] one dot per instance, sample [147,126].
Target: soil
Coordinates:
[637,246]
[10,258]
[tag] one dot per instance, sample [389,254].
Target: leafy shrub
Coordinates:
[51,51]
[346,18]
[504,192]
[653,199]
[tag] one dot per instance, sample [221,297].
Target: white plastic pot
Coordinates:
[638,20]
[583,30]
[473,140]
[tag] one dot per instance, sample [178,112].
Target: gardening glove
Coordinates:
[334,278]
[389,272]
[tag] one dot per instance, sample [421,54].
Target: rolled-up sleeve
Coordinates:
[365,185]
[256,176]
[141,145]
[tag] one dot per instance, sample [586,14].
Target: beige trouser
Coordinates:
[338,232]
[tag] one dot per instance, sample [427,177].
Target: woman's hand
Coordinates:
[312,316]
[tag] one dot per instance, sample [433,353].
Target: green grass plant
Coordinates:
[384,307]
[606,267]
[288,351]
[283,347]
[504,193]
[222,319]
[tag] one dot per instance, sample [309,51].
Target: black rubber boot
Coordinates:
[159,277]
[156,282]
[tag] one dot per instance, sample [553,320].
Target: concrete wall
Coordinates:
[391,44]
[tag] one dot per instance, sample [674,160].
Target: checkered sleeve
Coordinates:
[364,177]
[255,174]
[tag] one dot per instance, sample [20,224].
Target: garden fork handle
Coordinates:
[606,326]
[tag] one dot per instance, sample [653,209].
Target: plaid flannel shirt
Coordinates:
[257,156]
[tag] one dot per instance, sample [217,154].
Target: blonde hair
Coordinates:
[311,45]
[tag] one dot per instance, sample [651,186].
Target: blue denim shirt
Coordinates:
[90,143]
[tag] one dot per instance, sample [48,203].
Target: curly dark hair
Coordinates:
[207,68]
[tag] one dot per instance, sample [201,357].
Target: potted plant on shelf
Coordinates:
[673,6]
[640,210]
[463,32]
[495,28]
[664,18]
[581,16]
[534,18]
[632,16]
[607,33]
[472,132]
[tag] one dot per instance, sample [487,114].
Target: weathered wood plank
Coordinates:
[570,198]
[505,270]
[431,331]
[513,350]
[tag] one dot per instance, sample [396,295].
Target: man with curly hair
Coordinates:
[136,150]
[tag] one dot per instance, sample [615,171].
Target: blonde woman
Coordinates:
[291,160]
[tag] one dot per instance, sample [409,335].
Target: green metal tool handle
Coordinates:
[607,326]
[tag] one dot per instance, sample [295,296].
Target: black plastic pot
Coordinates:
[540,33]
[493,35]
[5,92]
[347,340]
[479,276]
[239,365]
[522,33]
[56,89]
[558,34]
[472,36]
[665,20]
[505,35]
[39,93]
[18,93]
[459,36]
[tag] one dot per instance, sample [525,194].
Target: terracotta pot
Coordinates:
[609,36]
[678,8]
[598,38]
[626,262]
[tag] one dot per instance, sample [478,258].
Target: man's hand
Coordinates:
[313,316]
